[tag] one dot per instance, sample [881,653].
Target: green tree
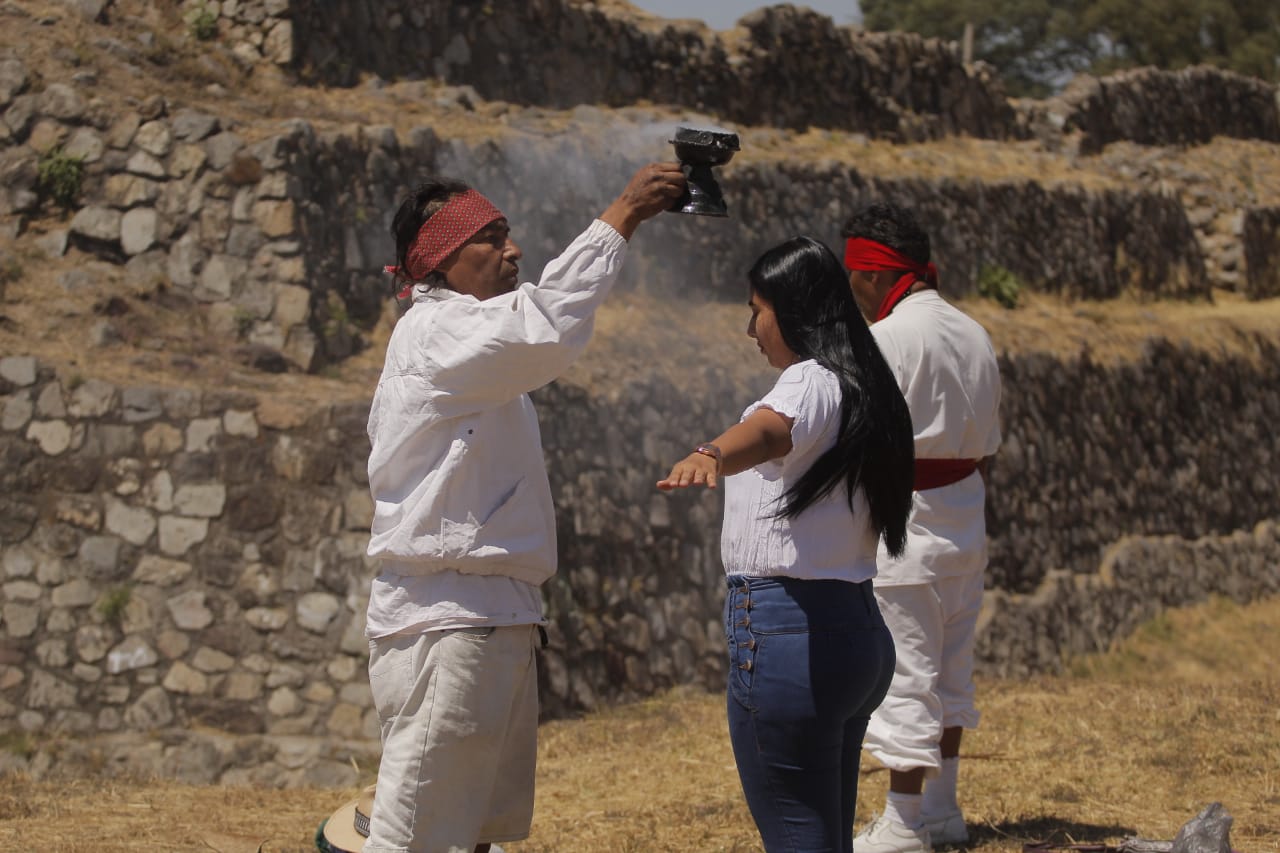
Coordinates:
[1240,35]
[1036,44]
[1025,40]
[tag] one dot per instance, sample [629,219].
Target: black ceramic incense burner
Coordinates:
[698,150]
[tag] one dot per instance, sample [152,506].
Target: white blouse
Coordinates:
[825,542]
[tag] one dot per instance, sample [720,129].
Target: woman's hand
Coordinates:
[696,469]
[761,436]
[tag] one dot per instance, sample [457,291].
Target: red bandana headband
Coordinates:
[869,256]
[444,232]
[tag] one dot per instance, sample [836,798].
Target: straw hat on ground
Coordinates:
[346,829]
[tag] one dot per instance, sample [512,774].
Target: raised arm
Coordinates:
[520,341]
[761,436]
[650,191]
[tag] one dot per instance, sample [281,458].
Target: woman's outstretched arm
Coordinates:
[761,436]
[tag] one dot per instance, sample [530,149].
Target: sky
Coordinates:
[722,14]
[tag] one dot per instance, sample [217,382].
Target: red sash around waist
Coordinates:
[936,473]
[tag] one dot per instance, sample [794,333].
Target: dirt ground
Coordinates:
[1131,743]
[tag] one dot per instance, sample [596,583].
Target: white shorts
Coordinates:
[459,712]
[933,627]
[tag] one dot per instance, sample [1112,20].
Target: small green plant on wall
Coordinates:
[113,604]
[203,23]
[996,282]
[59,177]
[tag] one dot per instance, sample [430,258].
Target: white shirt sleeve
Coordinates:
[482,353]
[810,396]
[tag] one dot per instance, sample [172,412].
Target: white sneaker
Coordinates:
[885,836]
[947,829]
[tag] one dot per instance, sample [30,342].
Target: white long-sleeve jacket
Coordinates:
[456,471]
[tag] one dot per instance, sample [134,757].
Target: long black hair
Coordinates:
[806,286]
[416,208]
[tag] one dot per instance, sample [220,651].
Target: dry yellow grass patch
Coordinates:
[1133,742]
[1116,331]
[638,335]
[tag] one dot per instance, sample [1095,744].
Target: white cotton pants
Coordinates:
[459,713]
[933,627]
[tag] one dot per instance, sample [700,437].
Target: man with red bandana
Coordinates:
[931,596]
[463,527]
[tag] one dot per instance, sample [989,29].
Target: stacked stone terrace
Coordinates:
[183,573]
[179,559]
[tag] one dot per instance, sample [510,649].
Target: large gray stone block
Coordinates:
[97,223]
[139,228]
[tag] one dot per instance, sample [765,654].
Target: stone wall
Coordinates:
[220,212]
[1261,242]
[1140,576]
[177,558]
[282,231]
[1173,442]
[784,66]
[256,31]
[787,67]
[1154,107]
[791,67]
[181,198]
[1079,243]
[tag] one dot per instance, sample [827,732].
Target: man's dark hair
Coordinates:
[417,207]
[894,226]
[806,286]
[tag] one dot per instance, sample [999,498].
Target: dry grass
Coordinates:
[1117,330]
[638,335]
[1134,742]
[165,340]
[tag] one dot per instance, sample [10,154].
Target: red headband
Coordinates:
[869,256]
[444,232]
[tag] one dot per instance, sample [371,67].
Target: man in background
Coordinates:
[931,596]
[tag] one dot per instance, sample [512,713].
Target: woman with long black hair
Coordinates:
[815,473]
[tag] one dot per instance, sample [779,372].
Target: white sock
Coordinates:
[904,809]
[940,791]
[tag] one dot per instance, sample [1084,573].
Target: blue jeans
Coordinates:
[809,660]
